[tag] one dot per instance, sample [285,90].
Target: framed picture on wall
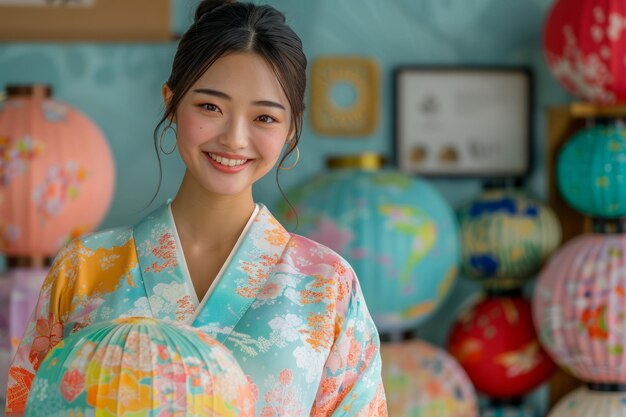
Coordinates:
[463,121]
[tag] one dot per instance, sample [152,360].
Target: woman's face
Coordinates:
[232,124]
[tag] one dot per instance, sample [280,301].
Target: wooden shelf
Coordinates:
[562,123]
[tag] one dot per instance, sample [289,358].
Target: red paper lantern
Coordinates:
[496,343]
[56,174]
[585,48]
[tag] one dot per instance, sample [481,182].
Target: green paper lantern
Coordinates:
[591,171]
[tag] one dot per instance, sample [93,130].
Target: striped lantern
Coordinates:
[496,343]
[591,170]
[397,231]
[587,403]
[579,307]
[584,45]
[140,366]
[506,236]
[422,380]
[56,173]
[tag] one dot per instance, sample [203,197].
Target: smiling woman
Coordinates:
[238,128]
[290,310]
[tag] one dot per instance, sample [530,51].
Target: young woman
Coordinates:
[289,309]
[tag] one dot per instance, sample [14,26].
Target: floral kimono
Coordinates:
[290,310]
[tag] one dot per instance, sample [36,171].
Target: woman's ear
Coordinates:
[167,94]
[167,97]
[291,137]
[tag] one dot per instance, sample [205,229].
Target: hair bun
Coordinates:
[207,6]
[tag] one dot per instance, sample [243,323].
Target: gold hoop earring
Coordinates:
[161,140]
[295,162]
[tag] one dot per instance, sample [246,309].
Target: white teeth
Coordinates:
[226,161]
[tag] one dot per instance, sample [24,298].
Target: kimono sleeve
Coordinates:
[43,332]
[351,384]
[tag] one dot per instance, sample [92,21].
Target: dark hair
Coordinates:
[225,26]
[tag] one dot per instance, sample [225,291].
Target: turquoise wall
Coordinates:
[118,86]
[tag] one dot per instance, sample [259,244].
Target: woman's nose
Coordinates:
[236,134]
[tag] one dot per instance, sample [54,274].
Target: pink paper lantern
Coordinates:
[421,379]
[56,174]
[579,307]
[585,45]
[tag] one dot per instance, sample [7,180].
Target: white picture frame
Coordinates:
[463,121]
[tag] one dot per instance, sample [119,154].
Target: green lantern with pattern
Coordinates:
[506,236]
[591,170]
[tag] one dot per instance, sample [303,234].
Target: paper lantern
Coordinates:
[422,380]
[584,46]
[579,307]
[398,233]
[506,236]
[19,292]
[584,402]
[495,342]
[140,366]
[56,174]
[591,171]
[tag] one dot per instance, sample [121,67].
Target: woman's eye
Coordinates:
[210,107]
[266,119]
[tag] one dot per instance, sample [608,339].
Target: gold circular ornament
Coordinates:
[356,75]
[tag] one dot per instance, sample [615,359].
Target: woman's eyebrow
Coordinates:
[268,103]
[216,93]
[212,93]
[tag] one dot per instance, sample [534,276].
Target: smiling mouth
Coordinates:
[226,161]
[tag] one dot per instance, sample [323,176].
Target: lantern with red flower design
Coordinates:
[585,45]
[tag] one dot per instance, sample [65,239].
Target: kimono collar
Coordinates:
[171,295]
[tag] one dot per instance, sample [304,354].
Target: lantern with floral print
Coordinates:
[56,173]
[397,231]
[506,236]
[422,380]
[579,307]
[591,170]
[495,342]
[140,366]
[584,46]
[585,402]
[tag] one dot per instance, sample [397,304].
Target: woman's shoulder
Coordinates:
[106,238]
[84,246]
[314,248]
[310,252]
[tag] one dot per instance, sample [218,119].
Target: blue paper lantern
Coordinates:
[397,231]
[591,171]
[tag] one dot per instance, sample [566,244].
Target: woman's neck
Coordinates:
[210,222]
